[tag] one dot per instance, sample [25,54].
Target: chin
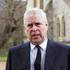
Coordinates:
[36,42]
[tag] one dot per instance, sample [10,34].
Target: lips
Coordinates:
[35,36]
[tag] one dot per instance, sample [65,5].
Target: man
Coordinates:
[39,53]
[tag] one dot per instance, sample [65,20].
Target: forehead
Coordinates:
[33,18]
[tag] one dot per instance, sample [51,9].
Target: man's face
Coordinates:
[36,29]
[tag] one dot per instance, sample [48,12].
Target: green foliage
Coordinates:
[3,55]
[9,44]
[3,58]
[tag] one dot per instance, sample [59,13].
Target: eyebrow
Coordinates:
[36,23]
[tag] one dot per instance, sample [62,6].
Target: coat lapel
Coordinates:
[50,57]
[25,57]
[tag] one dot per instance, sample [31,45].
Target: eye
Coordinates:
[37,24]
[30,25]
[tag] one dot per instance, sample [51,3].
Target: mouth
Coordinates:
[36,36]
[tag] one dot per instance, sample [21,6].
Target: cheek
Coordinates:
[29,32]
[44,31]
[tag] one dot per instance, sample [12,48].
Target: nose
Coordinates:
[34,28]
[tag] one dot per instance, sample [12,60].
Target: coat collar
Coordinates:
[50,57]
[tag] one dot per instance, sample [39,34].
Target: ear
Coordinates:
[47,26]
[25,31]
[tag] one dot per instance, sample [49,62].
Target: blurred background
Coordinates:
[12,22]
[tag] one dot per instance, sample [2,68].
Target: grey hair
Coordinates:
[37,12]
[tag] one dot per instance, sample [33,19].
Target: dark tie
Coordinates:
[37,63]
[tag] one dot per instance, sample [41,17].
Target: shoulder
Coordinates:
[19,46]
[59,45]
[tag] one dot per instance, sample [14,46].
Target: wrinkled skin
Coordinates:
[36,29]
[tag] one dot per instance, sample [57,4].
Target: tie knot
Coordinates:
[37,46]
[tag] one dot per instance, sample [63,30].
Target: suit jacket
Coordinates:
[57,57]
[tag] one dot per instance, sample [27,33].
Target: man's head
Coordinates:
[36,24]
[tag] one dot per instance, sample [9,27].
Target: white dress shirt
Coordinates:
[33,53]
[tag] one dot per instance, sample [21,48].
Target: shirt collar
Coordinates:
[32,46]
[42,45]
